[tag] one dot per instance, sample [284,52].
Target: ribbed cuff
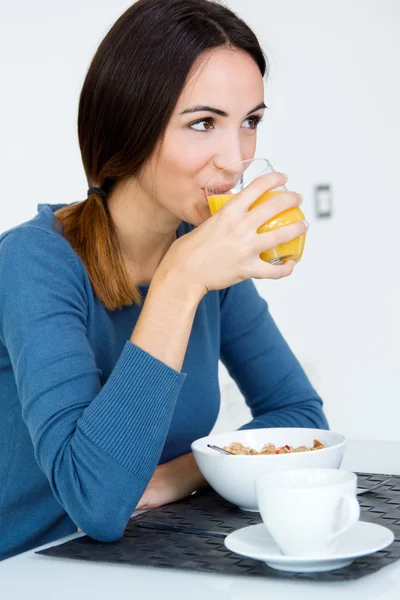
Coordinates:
[130,417]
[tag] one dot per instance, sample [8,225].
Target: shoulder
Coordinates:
[36,253]
[39,238]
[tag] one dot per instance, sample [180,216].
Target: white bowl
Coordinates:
[233,477]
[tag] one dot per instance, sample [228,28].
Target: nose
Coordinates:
[229,152]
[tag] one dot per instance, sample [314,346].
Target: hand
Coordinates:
[172,481]
[226,248]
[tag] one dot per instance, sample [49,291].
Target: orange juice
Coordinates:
[292,250]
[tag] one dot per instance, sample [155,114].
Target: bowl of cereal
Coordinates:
[253,452]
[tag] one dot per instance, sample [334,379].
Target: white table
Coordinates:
[33,577]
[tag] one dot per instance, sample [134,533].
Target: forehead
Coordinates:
[223,78]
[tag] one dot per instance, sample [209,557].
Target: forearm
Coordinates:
[172,481]
[164,326]
[187,471]
[305,414]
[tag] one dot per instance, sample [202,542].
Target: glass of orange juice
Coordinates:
[225,184]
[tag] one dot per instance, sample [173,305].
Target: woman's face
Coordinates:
[213,126]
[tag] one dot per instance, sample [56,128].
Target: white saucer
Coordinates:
[361,539]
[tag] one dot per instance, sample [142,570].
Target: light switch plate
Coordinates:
[323,201]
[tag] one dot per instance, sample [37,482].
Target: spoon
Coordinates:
[373,488]
[221,450]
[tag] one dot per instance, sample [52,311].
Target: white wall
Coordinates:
[333,95]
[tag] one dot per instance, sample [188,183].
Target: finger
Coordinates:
[281,235]
[260,185]
[267,271]
[273,206]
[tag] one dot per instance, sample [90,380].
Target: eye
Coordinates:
[202,124]
[253,121]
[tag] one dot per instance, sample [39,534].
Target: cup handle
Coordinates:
[353,516]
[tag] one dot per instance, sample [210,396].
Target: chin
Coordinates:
[200,215]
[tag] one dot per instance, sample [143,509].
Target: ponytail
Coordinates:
[89,229]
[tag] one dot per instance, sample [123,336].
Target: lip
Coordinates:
[220,190]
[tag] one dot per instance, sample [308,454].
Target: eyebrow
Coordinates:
[217,111]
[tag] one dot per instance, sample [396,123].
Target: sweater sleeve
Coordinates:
[98,446]
[257,357]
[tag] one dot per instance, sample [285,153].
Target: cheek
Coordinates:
[177,172]
[183,163]
[189,159]
[187,152]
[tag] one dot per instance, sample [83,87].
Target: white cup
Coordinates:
[306,510]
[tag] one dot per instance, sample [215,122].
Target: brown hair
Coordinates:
[131,88]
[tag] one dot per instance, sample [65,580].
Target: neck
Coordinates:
[145,230]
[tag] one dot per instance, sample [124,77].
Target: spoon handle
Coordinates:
[361,491]
[221,450]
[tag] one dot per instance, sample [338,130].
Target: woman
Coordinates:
[114,311]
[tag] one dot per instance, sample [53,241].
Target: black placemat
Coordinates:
[147,543]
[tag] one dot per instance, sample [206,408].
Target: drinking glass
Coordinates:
[227,183]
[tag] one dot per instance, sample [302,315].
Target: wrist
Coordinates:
[175,280]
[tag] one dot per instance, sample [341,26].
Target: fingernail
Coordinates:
[307,224]
[285,175]
[301,197]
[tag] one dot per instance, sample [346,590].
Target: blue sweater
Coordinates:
[86,416]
